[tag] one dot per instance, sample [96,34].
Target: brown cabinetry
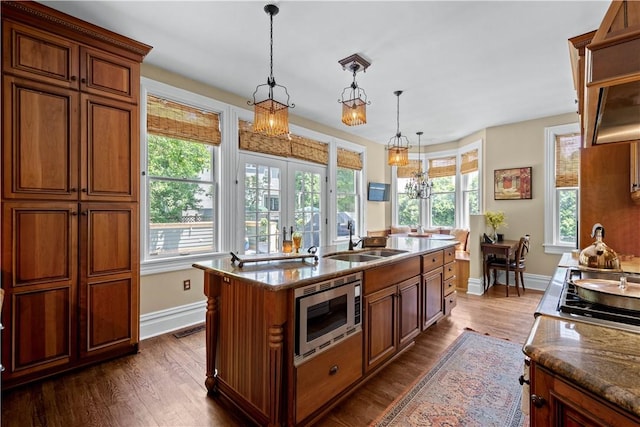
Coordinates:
[556,402]
[70,156]
[391,309]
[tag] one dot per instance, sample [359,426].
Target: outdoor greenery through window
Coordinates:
[180,183]
[346,200]
[443,202]
[567,162]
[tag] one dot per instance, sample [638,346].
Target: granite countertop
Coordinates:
[277,275]
[603,360]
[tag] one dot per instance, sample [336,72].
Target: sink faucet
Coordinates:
[352,245]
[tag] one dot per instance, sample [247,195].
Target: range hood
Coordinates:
[612,77]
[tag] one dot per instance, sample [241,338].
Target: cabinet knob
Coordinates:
[84,190]
[333,370]
[74,213]
[522,381]
[73,78]
[538,401]
[73,189]
[83,80]
[85,213]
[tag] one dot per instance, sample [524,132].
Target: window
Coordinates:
[348,185]
[562,195]
[469,184]
[180,217]
[409,210]
[442,204]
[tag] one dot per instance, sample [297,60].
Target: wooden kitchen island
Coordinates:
[251,326]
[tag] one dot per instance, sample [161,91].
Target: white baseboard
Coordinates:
[531,281]
[163,321]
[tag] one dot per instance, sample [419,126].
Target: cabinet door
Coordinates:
[39,55]
[109,75]
[432,303]
[109,150]
[109,270]
[40,140]
[39,278]
[380,326]
[409,310]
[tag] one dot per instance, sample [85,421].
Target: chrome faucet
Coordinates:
[350,226]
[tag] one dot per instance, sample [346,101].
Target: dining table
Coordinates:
[500,248]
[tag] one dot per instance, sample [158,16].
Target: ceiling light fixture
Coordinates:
[354,108]
[271,117]
[419,186]
[398,145]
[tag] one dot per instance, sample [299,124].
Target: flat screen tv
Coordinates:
[378,192]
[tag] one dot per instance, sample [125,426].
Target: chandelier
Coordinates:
[271,117]
[354,107]
[398,145]
[419,186]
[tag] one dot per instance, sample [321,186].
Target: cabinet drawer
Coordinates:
[450,301]
[449,270]
[378,278]
[322,378]
[449,254]
[449,285]
[432,261]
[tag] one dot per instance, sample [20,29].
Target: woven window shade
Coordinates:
[567,160]
[349,159]
[408,170]
[174,120]
[310,150]
[469,161]
[282,145]
[445,166]
[260,143]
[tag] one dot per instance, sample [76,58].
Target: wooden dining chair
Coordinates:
[517,264]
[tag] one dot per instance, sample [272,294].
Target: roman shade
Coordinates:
[294,146]
[179,121]
[469,161]
[349,159]
[408,170]
[445,166]
[567,160]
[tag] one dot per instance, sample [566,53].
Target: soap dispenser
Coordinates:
[599,255]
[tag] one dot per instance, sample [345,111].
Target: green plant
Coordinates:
[495,219]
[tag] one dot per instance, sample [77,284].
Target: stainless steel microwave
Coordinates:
[326,313]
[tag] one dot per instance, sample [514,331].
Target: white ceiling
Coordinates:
[463,65]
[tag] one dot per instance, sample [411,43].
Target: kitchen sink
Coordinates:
[353,257]
[383,252]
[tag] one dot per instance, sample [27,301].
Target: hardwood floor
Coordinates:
[163,385]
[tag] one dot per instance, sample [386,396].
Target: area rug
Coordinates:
[474,384]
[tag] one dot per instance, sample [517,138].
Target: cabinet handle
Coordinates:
[83,80]
[73,78]
[538,401]
[333,370]
[84,190]
[522,381]
[73,189]
[74,213]
[85,213]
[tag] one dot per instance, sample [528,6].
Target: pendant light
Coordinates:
[398,145]
[271,117]
[354,105]
[419,186]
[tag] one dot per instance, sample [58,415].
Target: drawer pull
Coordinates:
[333,370]
[538,401]
[522,381]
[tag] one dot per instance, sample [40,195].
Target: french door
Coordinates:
[281,196]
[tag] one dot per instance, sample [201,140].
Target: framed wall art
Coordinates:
[512,184]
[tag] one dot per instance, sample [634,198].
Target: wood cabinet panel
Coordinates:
[106,317]
[432,261]
[326,375]
[408,310]
[45,314]
[449,270]
[40,134]
[110,238]
[450,301]
[449,255]
[380,326]
[432,302]
[449,285]
[556,402]
[109,150]
[381,277]
[39,55]
[109,75]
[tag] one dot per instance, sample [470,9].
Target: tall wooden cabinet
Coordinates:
[70,172]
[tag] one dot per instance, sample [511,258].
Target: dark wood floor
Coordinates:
[163,385]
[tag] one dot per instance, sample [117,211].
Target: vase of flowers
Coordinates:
[495,220]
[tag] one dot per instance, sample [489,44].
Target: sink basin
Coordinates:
[353,257]
[383,252]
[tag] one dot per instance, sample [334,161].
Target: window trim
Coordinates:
[162,265]
[551,246]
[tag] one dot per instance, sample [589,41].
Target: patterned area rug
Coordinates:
[474,384]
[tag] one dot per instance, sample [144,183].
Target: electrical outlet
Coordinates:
[186,284]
